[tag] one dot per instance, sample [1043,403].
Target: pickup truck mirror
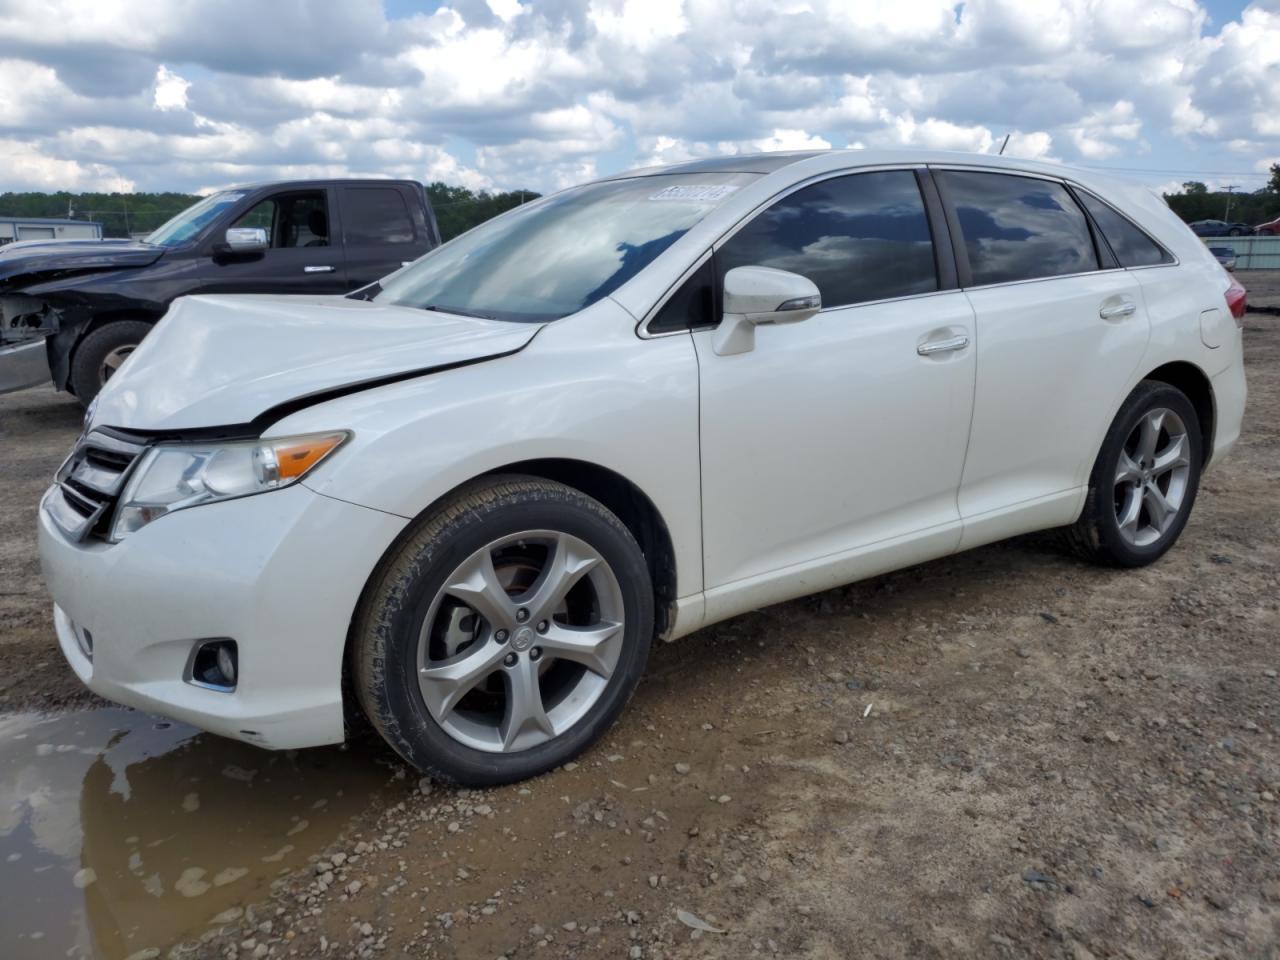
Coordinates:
[246,240]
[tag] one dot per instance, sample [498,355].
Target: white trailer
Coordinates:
[47,228]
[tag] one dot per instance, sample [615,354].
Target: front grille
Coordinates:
[90,482]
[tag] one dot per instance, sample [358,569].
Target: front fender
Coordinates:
[586,389]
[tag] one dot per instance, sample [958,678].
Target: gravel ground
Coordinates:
[1004,753]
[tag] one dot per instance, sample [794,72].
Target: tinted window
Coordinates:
[859,238]
[375,215]
[1019,228]
[693,305]
[1132,247]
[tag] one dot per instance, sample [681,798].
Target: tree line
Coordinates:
[458,209]
[1198,202]
[127,214]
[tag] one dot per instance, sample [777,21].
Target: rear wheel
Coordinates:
[100,354]
[1144,481]
[506,633]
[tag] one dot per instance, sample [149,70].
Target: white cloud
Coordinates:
[171,90]
[507,94]
[26,167]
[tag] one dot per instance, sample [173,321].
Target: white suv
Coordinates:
[469,497]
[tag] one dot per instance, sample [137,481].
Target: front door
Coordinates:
[841,437]
[304,257]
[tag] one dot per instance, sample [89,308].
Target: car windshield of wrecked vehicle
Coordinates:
[557,256]
[186,225]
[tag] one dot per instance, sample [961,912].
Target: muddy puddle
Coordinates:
[122,834]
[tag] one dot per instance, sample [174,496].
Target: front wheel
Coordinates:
[1234,232]
[505,634]
[1144,480]
[99,355]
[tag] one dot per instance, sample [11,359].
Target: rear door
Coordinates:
[380,231]
[303,257]
[1060,330]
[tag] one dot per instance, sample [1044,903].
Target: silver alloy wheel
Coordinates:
[521,641]
[1151,477]
[111,362]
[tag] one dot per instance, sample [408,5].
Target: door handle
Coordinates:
[317,269]
[943,346]
[1118,311]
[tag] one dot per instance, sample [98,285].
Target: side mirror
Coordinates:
[756,295]
[246,240]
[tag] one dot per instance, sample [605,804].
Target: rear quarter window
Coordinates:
[1130,244]
[1018,228]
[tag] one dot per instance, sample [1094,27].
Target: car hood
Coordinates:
[35,257]
[231,361]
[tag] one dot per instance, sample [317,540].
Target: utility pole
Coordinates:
[125,201]
[1231,186]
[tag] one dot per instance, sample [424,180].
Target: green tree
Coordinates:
[1274,183]
[459,209]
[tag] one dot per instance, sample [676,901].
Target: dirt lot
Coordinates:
[1057,761]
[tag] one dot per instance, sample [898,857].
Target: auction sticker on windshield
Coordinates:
[695,193]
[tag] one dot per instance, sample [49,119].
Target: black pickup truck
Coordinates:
[73,310]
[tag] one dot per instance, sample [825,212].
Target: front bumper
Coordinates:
[24,365]
[280,573]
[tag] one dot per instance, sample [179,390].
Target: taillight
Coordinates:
[1237,301]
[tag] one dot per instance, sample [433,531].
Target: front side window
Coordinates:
[291,219]
[559,255]
[1132,247]
[375,216]
[1019,228]
[861,237]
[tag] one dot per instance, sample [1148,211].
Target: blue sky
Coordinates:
[537,94]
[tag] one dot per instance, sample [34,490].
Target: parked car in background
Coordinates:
[1269,229]
[473,494]
[1219,228]
[1225,256]
[74,311]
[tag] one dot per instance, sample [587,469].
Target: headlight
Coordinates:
[176,476]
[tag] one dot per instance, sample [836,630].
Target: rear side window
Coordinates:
[861,237]
[1132,247]
[375,216]
[1019,228]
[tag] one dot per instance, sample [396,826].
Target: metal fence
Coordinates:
[1252,253]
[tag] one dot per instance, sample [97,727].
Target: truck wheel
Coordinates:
[100,354]
[1144,481]
[505,634]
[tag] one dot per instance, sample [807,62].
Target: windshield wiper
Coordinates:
[437,308]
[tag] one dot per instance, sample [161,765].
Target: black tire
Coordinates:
[1234,232]
[401,591]
[1096,535]
[91,354]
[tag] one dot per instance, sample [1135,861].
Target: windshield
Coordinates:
[557,256]
[192,220]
